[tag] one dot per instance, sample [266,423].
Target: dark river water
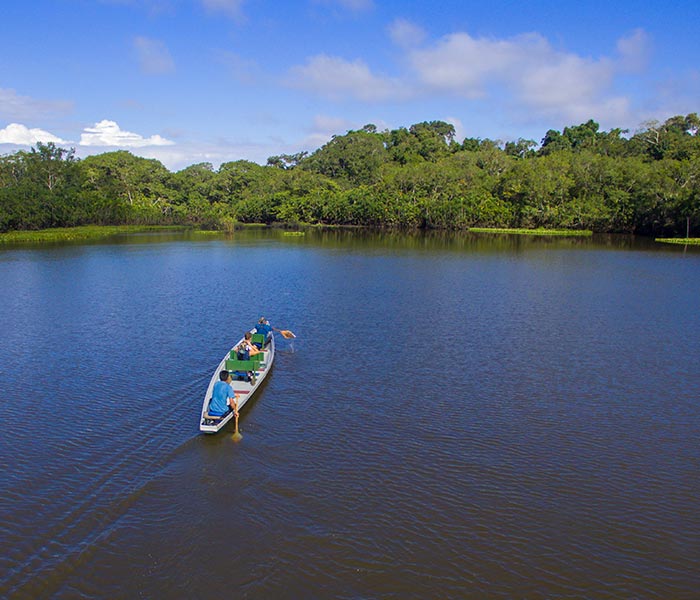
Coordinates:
[459,417]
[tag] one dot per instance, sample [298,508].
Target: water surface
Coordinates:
[459,417]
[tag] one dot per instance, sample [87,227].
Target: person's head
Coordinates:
[248,335]
[224,375]
[262,320]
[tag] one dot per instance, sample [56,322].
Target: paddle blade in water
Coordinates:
[237,437]
[288,334]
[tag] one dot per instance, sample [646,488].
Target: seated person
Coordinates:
[246,348]
[263,327]
[242,352]
[223,396]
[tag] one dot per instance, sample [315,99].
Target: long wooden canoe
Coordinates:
[244,389]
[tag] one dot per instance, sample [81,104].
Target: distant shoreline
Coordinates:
[88,232]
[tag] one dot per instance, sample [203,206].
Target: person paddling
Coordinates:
[265,328]
[223,397]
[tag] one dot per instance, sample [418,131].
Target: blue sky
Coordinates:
[188,81]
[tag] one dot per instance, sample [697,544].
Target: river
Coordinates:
[460,416]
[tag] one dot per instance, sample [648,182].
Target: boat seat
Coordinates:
[233,364]
[257,357]
[211,419]
[259,338]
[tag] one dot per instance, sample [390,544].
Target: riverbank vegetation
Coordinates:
[683,241]
[85,232]
[539,231]
[418,177]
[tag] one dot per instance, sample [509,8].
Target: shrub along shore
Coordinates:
[419,177]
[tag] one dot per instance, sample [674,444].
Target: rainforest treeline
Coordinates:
[415,177]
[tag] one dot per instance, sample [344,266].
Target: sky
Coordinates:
[191,81]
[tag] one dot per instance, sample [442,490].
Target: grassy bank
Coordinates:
[78,233]
[683,241]
[562,232]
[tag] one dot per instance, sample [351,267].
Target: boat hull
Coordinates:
[244,389]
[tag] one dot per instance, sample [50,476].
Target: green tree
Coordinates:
[234,180]
[353,159]
[520,148]
[50,166]
[554,141]
[286,161]
[537,189]
[676,138]
[39,188]
[582,136]
[141,185]
[193,182]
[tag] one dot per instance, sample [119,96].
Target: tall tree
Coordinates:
[354,158]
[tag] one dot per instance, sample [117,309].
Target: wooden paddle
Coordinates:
[285,333]
[237,437]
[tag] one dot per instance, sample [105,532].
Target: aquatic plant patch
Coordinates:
[79,233]
[562,232]
[683,241]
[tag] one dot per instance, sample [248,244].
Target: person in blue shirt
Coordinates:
[223,396]
[264,327]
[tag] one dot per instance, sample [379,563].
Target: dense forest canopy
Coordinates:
[416,177]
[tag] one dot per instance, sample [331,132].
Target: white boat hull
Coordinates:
[244,389]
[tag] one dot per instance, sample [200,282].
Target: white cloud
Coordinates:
[21,135]
[215,152]
[231,8]
[524,71]
[108,133]
[405,34]
[154,7]
[465,65]
[523,75]
[556,80]
[634,50]
[153,56]
[323,128]
[352,5]
[330,125]
[676,95]
[339,79]
[539,78]
[21,108]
